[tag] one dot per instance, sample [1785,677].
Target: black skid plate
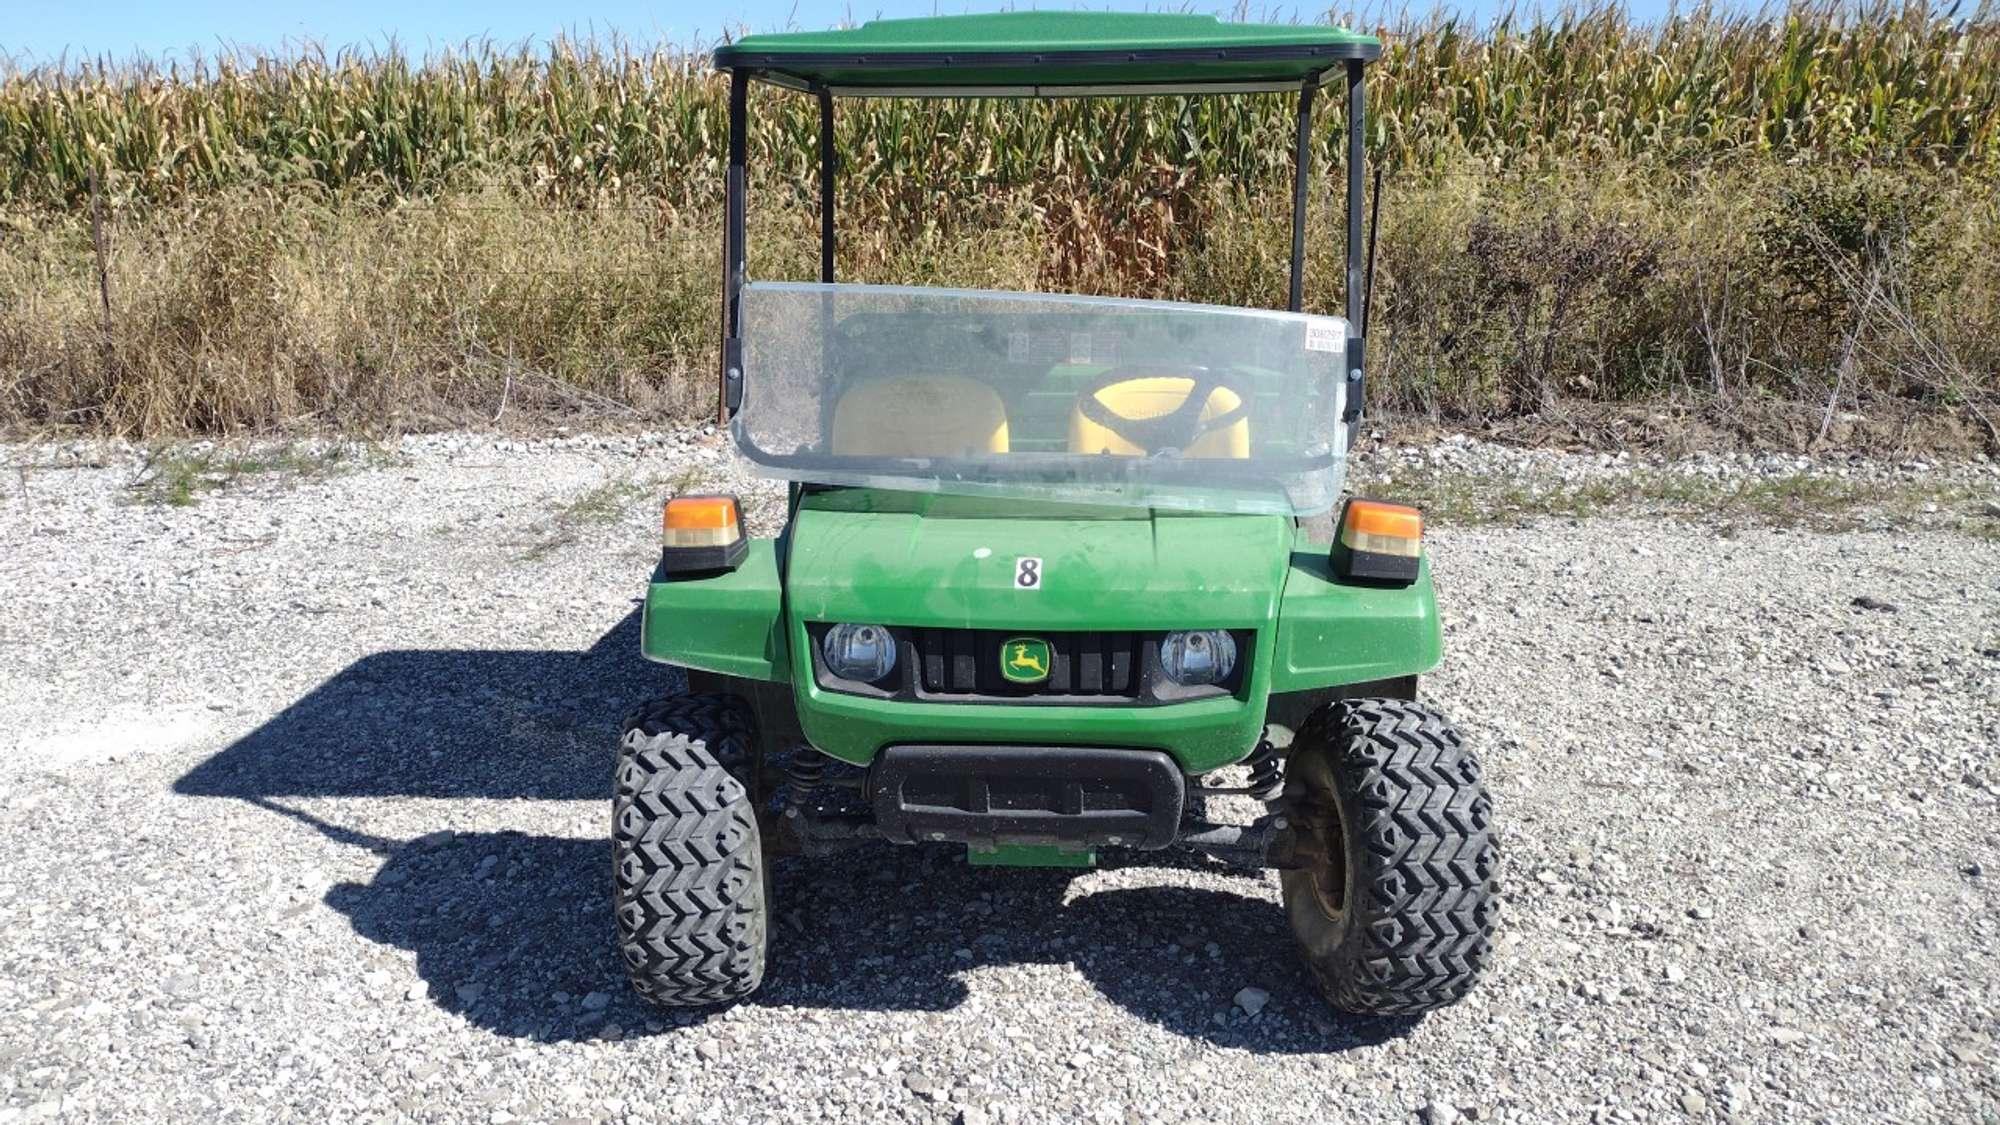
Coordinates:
[1075,796]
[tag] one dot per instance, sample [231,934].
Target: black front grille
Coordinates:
[963,666]
[967,662]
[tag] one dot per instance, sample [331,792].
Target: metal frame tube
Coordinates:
[1301,176]
[731,384]
[828,162]
[828,166]
[1357,123]
[1357,156]
[731,375]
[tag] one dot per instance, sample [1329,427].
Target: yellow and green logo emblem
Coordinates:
[1024,660]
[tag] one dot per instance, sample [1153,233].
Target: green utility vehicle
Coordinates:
[1049,566]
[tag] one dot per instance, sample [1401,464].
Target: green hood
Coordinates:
[944,561]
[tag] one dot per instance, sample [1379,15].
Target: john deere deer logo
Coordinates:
[1025,660]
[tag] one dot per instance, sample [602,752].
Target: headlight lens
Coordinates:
[859,652]
[1204,656]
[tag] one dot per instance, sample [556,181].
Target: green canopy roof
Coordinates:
[1050,53]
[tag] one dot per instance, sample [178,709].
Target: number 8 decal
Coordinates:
[1027,573]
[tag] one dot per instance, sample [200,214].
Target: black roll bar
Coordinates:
[828,162]
[733,224]
[1357,137]
[1301,180]
[732,248]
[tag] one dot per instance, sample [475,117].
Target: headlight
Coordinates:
[1205,656]
[859,652]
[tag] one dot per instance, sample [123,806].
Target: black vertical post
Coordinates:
[1356,155]
[732,246]
[827,167]
[1301,177]
[1357,124]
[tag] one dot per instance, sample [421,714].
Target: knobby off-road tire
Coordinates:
[1394,907]
[688,874]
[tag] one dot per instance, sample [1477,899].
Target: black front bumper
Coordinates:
[1064,795]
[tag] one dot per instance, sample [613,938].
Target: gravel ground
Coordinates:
[302,810]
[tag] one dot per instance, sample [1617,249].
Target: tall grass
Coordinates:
[1791,207]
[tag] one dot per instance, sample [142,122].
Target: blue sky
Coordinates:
[43,30]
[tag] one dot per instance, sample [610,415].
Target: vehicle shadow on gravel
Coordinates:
[532,725]
[514,931]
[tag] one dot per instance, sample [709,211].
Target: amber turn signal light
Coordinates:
[1379,542]
[702,533]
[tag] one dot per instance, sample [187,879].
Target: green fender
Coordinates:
[1333,633]
[731,623]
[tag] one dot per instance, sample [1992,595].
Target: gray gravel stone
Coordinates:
[1252,1000]
[1439,1113]
[307,746]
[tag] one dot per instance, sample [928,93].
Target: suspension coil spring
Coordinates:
[805,771]
[1267,774]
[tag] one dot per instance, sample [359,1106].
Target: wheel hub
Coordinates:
[1325,859]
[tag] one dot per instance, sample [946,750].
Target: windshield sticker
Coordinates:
[1324,335]
[1079,347]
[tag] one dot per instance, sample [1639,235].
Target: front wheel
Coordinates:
[687,859]
[1392,901]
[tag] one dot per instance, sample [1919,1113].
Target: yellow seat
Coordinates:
[919,416]
[1152,397]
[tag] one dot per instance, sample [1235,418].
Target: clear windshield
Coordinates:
[1083,399]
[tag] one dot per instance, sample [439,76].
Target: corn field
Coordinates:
[1795,206]
[1912,84]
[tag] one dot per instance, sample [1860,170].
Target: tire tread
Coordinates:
[687,858]
[1426,900]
